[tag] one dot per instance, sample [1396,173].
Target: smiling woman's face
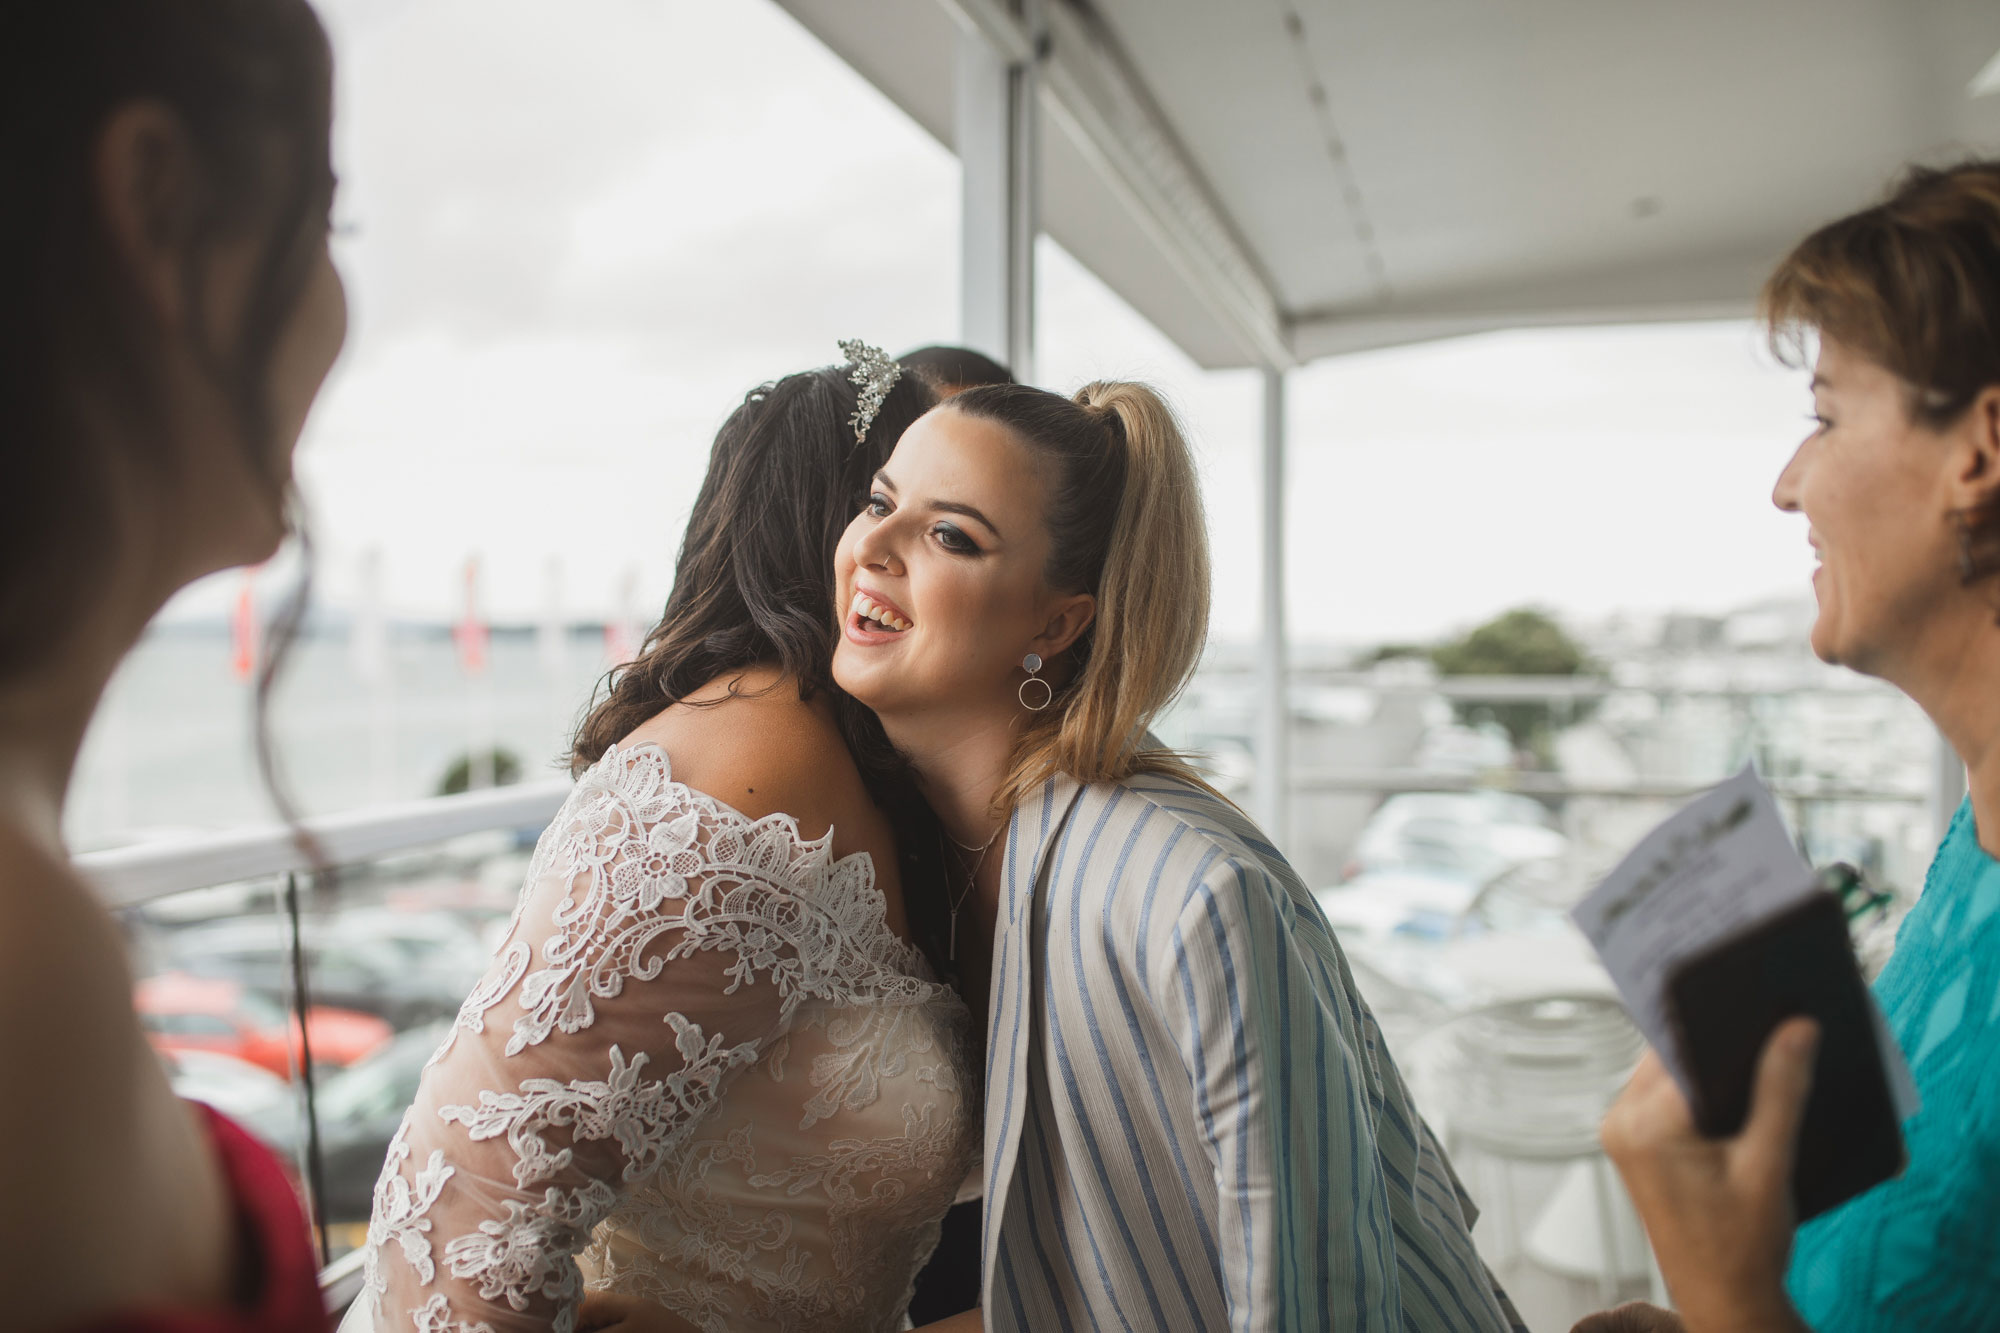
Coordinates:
[941,578]
[1876,489]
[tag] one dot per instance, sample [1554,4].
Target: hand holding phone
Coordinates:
[1724,1005]
[1718,1212]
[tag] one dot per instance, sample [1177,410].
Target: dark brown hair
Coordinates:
[754,584]
[250,84]
[1913,284]
[1125,524]
[946,368]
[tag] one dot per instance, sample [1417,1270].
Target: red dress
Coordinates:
[286,1299]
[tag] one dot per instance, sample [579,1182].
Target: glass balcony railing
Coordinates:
[301,991]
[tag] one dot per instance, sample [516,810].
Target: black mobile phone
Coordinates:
[1724,1005]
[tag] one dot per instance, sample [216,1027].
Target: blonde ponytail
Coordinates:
[1147,566]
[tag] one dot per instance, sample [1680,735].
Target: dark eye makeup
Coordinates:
[949,536]
[952,538]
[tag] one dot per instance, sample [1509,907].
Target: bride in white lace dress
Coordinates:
[707,1069]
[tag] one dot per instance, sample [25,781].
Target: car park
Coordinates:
[233,1086]
[1467,836]
[181,1013]
[360,1109]
[405,968]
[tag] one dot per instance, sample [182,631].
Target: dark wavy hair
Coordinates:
[948,369]
[250,82]
[754,585]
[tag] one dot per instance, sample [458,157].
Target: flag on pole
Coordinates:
[621,631]
[471,633]
[245,634]
[619,647]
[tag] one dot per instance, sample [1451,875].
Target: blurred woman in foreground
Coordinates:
[1899,483]
[168,311]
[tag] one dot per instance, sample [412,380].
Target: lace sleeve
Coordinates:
[660,944]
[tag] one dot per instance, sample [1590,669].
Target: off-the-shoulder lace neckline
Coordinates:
[911,957]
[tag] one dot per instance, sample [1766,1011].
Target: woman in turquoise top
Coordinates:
[1900,485]
[1923,1251]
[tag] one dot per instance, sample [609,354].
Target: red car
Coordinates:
[188,1013]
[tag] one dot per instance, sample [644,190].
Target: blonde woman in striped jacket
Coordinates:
[1191,1121]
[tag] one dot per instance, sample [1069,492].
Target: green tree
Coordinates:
[501,765]
[1521,642]
[1394,652]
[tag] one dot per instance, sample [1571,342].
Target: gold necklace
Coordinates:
[966,846]
[971,878]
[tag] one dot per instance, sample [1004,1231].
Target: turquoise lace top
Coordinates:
[1923,1251]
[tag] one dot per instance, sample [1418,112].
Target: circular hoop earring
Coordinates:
[1032,664]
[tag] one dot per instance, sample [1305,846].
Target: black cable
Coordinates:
[315,1163]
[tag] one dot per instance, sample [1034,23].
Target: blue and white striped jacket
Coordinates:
[1191,1120]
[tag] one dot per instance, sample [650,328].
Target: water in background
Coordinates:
[171,750]
[171,753]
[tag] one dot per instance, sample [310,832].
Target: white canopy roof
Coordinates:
[1270,181]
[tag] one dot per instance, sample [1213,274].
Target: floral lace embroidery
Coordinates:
[435,1317]
[527,1253]
[641,1116]
[647,872]
[655,842]
[698,1247]
[850,1076]
[695,1245]
[507,969]
[927,1140]
[398,1215]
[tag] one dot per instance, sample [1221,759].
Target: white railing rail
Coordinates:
[340,1281]
[128,876]
[1389,781]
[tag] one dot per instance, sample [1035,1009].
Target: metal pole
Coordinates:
[998,127]
[1273,691]
[1949,790]
[315,1172]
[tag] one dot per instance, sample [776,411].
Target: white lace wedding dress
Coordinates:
[701,1069]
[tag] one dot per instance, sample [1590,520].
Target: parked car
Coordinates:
[1465,836]
[181,1012]
[231,1085]
[1456,748]
[405,968]
[360,1109]
[449,949]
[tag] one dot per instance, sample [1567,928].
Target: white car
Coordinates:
[1453,898]
[1467,836]
[1452,748]
[234,1087]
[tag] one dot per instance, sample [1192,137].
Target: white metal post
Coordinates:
[999,156]
[1274,771]
[1948,790]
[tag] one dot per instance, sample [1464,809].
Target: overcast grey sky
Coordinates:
[573,236]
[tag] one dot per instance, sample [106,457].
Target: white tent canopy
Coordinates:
[1272,181]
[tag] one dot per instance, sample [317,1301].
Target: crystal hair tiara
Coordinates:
[876,374]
